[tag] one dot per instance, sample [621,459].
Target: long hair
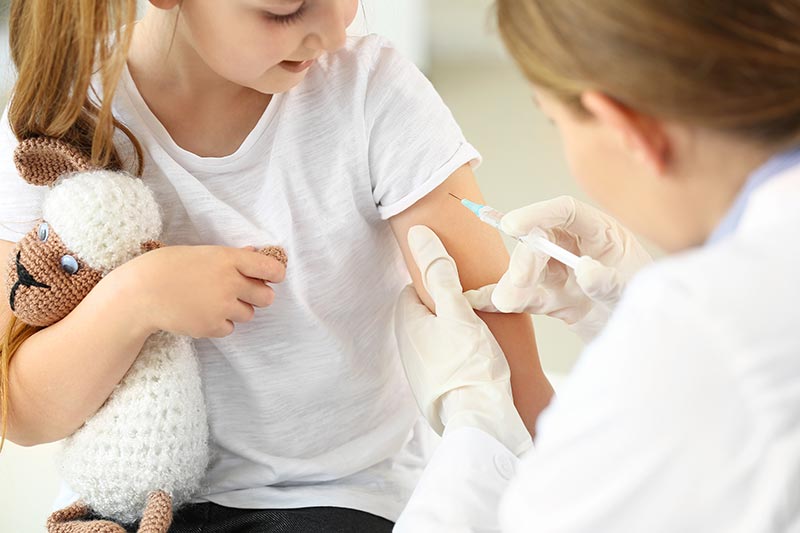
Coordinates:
[16,333]
[58,49]
[729,65]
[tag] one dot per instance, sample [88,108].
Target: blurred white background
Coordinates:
[455,43]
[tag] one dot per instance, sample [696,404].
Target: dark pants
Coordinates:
[213,518]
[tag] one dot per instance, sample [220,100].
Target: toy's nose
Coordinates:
[24,279]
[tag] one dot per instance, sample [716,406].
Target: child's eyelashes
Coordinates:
[286,19]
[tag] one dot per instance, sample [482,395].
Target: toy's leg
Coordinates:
[65,521]
[157,515]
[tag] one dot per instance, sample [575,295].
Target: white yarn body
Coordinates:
[151,434]
[103,217]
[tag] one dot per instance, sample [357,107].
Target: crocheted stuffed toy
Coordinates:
[146,449]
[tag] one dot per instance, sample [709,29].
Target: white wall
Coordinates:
[404,22]
[464,31]
[29,486]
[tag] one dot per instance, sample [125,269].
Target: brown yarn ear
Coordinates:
[42,160]
[148,246]
[277,253]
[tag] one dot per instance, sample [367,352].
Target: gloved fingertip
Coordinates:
[408,298]
[442,271]
[525,267]
[502,304]
[481,299]
[543,215]
[409,305]
[409,292]
[585,262]
[594,278]
[511,225]
[434,263]
[419,236]
[588,268]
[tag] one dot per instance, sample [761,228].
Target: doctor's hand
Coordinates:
[536,284]
[456,369]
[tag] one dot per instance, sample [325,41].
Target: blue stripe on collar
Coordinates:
[773,167]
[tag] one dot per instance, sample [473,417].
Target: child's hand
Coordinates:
[199,291]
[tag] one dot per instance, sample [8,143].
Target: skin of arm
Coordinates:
[482,259]
[62,374]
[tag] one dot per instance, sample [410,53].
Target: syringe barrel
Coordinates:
[540,244]
[543,245]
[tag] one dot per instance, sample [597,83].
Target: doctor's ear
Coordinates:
[642,135]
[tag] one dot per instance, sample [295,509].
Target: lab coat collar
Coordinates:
[774,167]
[774,205]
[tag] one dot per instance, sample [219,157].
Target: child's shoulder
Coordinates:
[366,79]
[366,45]
[362,54]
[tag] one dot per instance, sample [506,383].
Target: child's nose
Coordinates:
[330,34]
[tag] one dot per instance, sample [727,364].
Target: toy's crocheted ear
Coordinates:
[41,160]
[149,246]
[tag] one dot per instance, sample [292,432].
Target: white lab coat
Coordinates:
[683,415]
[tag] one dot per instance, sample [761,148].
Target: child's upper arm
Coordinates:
[477,248]
[482,259]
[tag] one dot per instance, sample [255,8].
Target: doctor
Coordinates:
[682,119]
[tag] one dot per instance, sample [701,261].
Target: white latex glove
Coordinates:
[536,284]
[456,369]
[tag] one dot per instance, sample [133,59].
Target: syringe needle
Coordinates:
[537,243]
[454,196]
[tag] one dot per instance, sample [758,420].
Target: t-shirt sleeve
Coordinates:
[20,202]
[414,141]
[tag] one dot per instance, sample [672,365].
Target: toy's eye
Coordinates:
[69,264]
[44,231]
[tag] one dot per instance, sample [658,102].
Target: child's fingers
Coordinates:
[257,293]
[256,265]
[241,312]
[223,330]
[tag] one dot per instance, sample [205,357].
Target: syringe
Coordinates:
[536,243]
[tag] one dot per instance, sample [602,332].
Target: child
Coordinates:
[255,122]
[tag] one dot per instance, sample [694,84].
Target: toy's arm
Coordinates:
[62,374]
[482,259]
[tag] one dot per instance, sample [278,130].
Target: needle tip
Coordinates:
[454,196]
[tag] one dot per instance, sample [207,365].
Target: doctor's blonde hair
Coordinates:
[58,47]
[730,65]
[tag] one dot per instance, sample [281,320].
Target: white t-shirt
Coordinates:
[307,404]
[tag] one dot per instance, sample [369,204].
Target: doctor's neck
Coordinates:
[704,180]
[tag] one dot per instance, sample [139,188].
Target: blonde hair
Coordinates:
[731,66]
[58,47]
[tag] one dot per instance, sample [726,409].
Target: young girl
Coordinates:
[255,122]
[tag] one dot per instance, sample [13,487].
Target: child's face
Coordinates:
[266,45]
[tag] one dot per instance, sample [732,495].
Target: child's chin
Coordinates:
[280,81]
